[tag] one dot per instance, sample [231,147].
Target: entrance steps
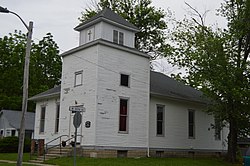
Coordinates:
[55,153]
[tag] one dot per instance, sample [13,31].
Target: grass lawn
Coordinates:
[66,161]
[13,156]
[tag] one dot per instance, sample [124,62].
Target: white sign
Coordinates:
[78,108]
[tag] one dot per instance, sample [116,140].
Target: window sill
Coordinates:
[160,135]
[77,85]
[122,132]
[124,86]
[191,137]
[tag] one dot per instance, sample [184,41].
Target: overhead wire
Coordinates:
[93,63]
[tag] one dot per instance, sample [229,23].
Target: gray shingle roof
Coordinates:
[14,118]
[47,94]
[163,85]
[108,16]
[160,85]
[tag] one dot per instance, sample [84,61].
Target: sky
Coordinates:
[59,17]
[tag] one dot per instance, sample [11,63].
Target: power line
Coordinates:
[103,67]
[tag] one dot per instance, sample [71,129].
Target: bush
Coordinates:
[10,145]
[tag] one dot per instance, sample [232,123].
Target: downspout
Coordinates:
[148,112]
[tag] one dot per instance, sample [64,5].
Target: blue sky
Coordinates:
[60,16]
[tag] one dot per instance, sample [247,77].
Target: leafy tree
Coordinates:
[45,68]
[151,22]
[218,64]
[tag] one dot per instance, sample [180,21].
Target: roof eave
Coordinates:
[88,24]
[47,96]
[106,43]
[176,98]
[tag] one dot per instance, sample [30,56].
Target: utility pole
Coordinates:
[25,85]
[25,95]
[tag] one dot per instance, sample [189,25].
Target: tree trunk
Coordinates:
[232,140]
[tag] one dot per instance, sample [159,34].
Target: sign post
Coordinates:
[77,120]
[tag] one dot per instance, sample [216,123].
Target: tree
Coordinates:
[218,64]
[45,68]
[151,22]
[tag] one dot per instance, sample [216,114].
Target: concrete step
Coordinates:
[58,150]
[55,153]
[41,158]
[36,161]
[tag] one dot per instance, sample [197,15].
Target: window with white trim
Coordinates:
[123,116]
[8,132]
[57,117]
[118,37]
[42,119]
[121,38]
[191,124]
[217,129]
[124,80]
[160,120]
[78,78]
[13,132]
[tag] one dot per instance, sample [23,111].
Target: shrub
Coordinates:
[10,145]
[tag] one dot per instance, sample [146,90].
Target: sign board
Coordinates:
[77,119]
[78,108]
[87,124]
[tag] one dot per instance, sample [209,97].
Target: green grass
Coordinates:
[67,161]
[139,162]
[13,156]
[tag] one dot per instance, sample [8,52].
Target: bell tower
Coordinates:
[109,26]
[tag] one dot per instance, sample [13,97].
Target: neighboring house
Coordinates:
[10,123]
[130,110]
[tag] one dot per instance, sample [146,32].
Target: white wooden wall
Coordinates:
[50,120]
[176,127]
[103,30]
[110,91]
[86,61]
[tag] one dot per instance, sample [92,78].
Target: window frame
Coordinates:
[217,129]
[121,38]
[8,132]
[162,121]
[191,124]
[13,132]
[115,36]
[78,74]
[127,116]
[42,119]
[118,37]
[123,74]
[57,118]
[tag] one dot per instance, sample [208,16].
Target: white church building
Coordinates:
[129,109]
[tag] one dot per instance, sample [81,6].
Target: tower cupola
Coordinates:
[109,26]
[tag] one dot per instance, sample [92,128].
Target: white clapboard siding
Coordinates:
[103,30]
[176,127]
[110,91]
[84,60]
[50,116]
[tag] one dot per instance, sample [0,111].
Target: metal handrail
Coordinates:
[56,139]
[46,145]
[60,144]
